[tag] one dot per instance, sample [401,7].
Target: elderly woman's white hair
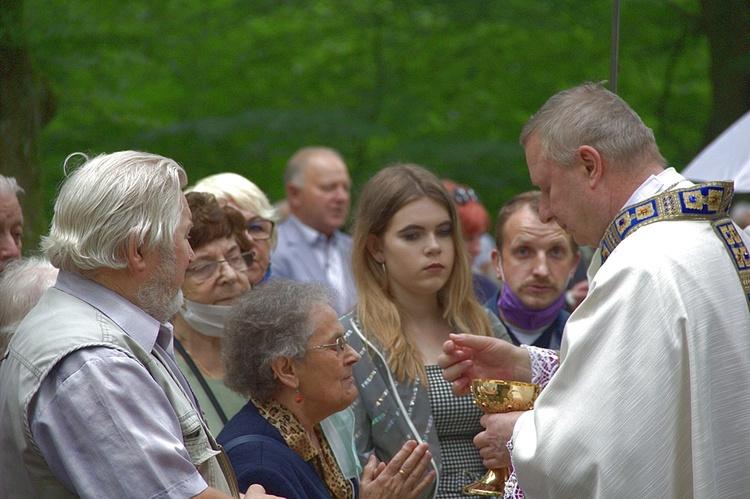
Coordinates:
[110,200]
[234,188]
[22,284]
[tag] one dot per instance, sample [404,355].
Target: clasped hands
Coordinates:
[467,357]
[404,477]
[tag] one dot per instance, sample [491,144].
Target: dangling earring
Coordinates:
[382,265]
[298,398]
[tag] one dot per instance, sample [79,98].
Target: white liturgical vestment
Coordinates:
[652,396]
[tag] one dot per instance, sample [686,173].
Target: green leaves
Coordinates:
[236,85]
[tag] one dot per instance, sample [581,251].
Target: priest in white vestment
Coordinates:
[652,394]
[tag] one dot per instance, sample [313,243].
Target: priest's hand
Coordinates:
[467,356]
[492,442]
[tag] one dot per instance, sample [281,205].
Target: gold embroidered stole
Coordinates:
[708,201]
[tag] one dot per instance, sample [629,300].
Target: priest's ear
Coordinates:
[592,163]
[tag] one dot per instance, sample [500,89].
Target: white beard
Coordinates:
[156,297]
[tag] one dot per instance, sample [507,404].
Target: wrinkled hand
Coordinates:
[467,356]
[492,441]
[256,491]
[404,477]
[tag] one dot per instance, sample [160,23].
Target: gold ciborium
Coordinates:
[493,397]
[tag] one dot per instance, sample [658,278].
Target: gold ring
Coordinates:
[403,473]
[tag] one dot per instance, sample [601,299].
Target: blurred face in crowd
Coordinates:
[259,231]
[323,200]
[11,228]
[473,244]
[218,274]
[537,259]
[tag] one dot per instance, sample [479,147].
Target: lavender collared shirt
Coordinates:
[102,423]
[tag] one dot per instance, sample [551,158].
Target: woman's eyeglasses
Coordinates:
[462,195]
[206,270]
[260,229]
[340,345]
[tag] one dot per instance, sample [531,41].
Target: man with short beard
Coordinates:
[92,402]
[11,220]
[535,260]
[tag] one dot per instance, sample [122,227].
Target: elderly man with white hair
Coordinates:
[11,220]
[92,402]
[22,284]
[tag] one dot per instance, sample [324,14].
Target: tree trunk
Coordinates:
[727,24]
[26,105]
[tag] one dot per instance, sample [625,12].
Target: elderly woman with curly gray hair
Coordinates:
[285,349]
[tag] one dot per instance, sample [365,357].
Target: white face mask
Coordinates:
[206,319]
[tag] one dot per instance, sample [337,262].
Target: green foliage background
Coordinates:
[239,85]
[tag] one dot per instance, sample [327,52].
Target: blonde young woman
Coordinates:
[414,286]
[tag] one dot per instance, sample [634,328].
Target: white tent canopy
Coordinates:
[726,158]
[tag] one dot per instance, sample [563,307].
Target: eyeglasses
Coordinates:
[260,228]
[340,345]
[206,270]
[463,196]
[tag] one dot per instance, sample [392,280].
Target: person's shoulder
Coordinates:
[353,330]
[344,237]
[244,422]
[278,477]
[496,325]
[349,319]
[484,287]
[491,302]
[286,231]
[668,241]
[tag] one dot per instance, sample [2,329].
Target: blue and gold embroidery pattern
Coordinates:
[707,201]
[727,231]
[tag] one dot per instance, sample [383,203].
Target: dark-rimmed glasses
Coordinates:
[260,229]
[463,195]
[205,270]
[339,345]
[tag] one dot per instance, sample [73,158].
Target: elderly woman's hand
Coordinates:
[404,477]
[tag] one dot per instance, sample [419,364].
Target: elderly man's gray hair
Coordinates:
[110,200]
[273,320]
[22,284]
[297,164]
[8,185]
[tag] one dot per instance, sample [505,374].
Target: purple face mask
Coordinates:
[529,319]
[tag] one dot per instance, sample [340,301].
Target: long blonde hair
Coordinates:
[380,316]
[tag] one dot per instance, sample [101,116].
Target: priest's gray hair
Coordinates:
[271,321]
[109,201]
[589,114]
